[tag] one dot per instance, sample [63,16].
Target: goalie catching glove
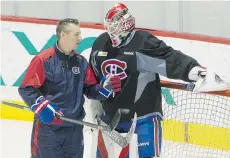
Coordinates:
[206,80]
[46,111]
[110,85]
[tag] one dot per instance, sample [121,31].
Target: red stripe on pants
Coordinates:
[156,137]
[35,139]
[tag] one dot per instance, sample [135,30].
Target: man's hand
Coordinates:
[110,84]
[46,111]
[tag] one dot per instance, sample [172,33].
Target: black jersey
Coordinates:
[138,64]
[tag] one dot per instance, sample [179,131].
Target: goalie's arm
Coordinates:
[157,57]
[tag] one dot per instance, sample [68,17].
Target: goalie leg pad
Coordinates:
[108,149]
[149,137]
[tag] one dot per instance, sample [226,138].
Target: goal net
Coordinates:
[196,125]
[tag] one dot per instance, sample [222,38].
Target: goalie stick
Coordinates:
[117,118]
[112,134]
[116,137]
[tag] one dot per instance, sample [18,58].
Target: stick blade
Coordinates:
[117,117]
[115,121]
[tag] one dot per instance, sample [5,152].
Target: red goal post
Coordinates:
[176,85]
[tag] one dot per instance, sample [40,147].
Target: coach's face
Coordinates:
[72,37]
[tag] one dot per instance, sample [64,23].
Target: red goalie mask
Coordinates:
[119,23]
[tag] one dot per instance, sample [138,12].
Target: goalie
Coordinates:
[137,58]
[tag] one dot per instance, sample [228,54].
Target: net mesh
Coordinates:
[196,125]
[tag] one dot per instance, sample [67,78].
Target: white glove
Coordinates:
[207,80]
[197,72]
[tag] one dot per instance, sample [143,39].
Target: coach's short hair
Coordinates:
[63,25]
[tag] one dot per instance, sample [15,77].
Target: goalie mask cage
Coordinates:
[195,125]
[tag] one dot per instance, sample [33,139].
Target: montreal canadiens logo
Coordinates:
[76,70]
[115,67]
